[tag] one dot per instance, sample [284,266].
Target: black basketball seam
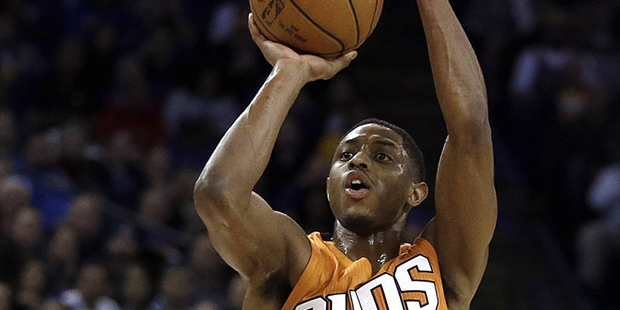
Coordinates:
[357,24]
[342,47]
[257,18]
[374,15]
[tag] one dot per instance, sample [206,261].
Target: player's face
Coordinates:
[369,183]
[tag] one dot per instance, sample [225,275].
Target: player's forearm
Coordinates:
[458,79]
[243,153]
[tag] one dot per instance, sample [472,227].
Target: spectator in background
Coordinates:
[53,304]
[52,187]
[131,107]
[300,135]
[156,167]
[28,233]
[22,65]
[316,210]
[91,290]
[209,274]
[598,20]
[286,157]
[100,57]
[174,290]
[80,158]
[123,250]
[123,245]
[5,172]
[220,107]
[183,200]
[122,162]
[63,258]
[22,243]
[136,288]
[244,66]
[155,211]
[66,89]
[598,241]
[154,206]
[8,133]
[224,22]
[32,284]
[5,296]
[16,194]
[159,51]
[86,219]
[558,104]
[581,113]
[540,67]
[342,98]
[196,118]
[206,305]
[76,17]
[496,27]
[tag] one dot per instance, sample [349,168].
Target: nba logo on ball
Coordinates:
[327,28]
[270,13]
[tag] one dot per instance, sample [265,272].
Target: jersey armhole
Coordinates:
[309,274]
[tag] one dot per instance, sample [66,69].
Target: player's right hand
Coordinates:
[312,67]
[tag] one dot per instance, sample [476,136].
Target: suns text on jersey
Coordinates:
[400,291]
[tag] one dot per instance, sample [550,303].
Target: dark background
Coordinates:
[109,110]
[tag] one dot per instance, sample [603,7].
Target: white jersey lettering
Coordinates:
[408,284]
[391,287]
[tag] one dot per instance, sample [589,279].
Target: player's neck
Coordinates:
[378,247]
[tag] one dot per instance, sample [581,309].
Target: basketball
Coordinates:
[327,28]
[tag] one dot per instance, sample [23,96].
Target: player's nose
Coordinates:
[359,160]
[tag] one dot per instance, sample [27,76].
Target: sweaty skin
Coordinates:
[372,227]
[270,250]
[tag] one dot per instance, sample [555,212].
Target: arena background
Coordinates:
[109,109]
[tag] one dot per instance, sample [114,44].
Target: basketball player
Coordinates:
[376,177]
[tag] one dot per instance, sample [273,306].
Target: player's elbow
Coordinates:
[471,128]
[476,116]
[208,193]
[470,122]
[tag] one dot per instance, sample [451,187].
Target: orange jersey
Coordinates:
[331,281]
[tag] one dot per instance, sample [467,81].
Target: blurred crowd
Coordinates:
[109,109]
[551,68]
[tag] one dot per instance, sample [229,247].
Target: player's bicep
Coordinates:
[255,240]
[466,211]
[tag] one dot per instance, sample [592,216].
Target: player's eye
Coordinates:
[383,157]
[346,155]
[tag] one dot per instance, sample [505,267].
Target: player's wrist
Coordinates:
[296,71]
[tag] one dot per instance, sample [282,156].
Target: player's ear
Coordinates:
[327,188]
[417,194]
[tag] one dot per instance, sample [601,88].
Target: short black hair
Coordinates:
[416,159]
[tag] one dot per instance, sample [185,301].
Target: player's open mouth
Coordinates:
[356,187]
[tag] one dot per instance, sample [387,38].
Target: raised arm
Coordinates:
[465,193]
[262,245]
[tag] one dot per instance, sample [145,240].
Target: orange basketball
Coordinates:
[328,28]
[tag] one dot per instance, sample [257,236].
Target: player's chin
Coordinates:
[361,224]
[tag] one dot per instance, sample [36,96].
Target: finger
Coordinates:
[338,64]
[350,55]
[343,61]
[257,35]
